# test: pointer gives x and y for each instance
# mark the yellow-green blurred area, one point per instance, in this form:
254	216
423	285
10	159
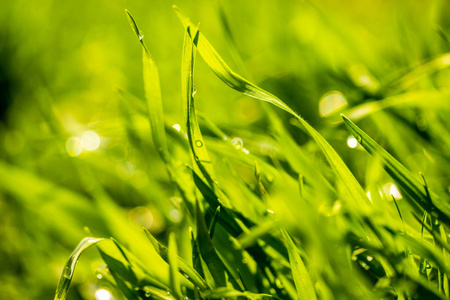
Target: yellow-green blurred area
76	152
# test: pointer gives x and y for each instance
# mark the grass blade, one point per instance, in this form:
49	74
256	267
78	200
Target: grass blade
69	269
405	179
225	293
185	268
208	252
173	267
235	81
303	283
152	93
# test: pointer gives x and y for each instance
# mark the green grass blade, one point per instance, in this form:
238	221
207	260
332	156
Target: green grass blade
196	142
152	93
404	178
214	220
226	293
303	283
69	269
208	252
189	272
173	267
235	81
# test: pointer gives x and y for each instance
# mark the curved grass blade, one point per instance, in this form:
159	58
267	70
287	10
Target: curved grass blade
152	93
303	283
69	269
173	267
235	81
422	201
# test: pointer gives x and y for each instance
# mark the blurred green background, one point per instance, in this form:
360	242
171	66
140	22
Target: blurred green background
70	67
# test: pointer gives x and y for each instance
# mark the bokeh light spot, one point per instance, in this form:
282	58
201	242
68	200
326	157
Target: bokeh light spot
352	142
331	102
90	140
103	294
74	146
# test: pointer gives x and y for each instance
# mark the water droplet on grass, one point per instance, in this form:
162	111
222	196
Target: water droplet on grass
103	294
237	142
352	142
177	127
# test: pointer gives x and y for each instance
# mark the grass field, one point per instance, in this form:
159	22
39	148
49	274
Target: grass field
225	150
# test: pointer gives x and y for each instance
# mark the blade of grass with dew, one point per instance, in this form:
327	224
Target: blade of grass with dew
405	179
119	267
173	267
152	93
303	283
195	137
158	294
189	272
230	78
128	292
69	269
121	275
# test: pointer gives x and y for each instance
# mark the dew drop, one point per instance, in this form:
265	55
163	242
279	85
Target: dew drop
177	127
141	35
369	258
198	143
352	142
237	142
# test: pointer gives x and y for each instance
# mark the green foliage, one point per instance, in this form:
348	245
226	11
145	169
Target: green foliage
246	199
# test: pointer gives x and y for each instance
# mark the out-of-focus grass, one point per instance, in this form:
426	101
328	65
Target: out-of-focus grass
71	80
